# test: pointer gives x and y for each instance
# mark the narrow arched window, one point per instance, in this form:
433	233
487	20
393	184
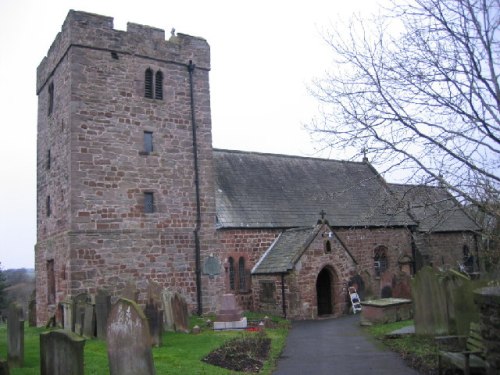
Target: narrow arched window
159	85
241	274
380	260
231	273
148	84
51	98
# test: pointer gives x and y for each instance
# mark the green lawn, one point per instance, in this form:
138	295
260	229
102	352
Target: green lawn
180	354
418	351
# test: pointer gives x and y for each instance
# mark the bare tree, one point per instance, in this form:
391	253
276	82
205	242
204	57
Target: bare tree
417	90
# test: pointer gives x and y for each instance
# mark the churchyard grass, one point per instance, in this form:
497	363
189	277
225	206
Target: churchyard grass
419	351
180	353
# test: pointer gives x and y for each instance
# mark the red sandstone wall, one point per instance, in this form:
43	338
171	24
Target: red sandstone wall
98	232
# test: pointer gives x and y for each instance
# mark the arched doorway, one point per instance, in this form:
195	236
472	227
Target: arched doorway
324	292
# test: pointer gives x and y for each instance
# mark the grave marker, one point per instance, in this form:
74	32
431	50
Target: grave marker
89	321
15	336
61	353
129	341
79	305
102	309
155	320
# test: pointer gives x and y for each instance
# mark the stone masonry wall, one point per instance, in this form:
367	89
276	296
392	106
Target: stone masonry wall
100	173
250	244
446	249
362	243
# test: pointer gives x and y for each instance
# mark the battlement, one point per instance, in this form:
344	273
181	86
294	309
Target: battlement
88	30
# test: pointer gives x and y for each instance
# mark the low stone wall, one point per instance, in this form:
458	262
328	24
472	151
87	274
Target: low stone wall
385	310
488	300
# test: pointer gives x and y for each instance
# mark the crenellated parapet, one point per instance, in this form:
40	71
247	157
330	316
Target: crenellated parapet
87	30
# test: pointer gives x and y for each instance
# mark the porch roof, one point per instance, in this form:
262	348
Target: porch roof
286	250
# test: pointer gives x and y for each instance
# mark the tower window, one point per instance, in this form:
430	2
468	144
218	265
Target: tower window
48	158
51	283
48	207
51	98
149	206
148	142
148	84
159	85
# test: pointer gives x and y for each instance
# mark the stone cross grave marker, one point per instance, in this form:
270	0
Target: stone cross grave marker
15	336
102	309
61	353
129	341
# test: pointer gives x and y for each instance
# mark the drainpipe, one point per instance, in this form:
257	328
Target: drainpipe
191	68
283	294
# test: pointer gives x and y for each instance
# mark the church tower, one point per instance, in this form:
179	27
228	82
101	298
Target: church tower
125	182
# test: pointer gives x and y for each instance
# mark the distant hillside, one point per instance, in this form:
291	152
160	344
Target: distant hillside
19	285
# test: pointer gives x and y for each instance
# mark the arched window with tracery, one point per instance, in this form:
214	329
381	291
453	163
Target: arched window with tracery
380	260
241	274
231	273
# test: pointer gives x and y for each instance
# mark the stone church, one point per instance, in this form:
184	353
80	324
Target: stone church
130	190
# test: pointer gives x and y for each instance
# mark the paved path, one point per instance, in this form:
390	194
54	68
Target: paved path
336	346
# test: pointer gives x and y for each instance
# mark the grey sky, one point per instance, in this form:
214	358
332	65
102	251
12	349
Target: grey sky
264	53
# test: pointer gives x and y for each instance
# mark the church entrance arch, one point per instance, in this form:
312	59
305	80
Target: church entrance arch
325	291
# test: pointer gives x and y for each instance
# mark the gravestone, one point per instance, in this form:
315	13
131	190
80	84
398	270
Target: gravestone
61	353
128	340
68	310
4	367
89	321
229	315
180	313
79	305
15	336
175	312
168	314
102	309
32	313
154	316
130	292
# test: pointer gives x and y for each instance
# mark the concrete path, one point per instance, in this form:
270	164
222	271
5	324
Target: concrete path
336	346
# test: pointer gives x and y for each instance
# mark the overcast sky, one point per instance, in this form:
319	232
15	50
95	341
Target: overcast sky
264	54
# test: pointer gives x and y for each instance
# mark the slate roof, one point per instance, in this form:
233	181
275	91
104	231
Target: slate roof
255	190
286	250
434	208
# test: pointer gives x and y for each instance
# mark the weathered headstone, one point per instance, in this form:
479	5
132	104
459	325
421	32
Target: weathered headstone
154	316
61	353
130	292
168	321
4	367
89	321
79	305
175	312
102	309
32	313
129	341
180	313
229	315
15	336
68	315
